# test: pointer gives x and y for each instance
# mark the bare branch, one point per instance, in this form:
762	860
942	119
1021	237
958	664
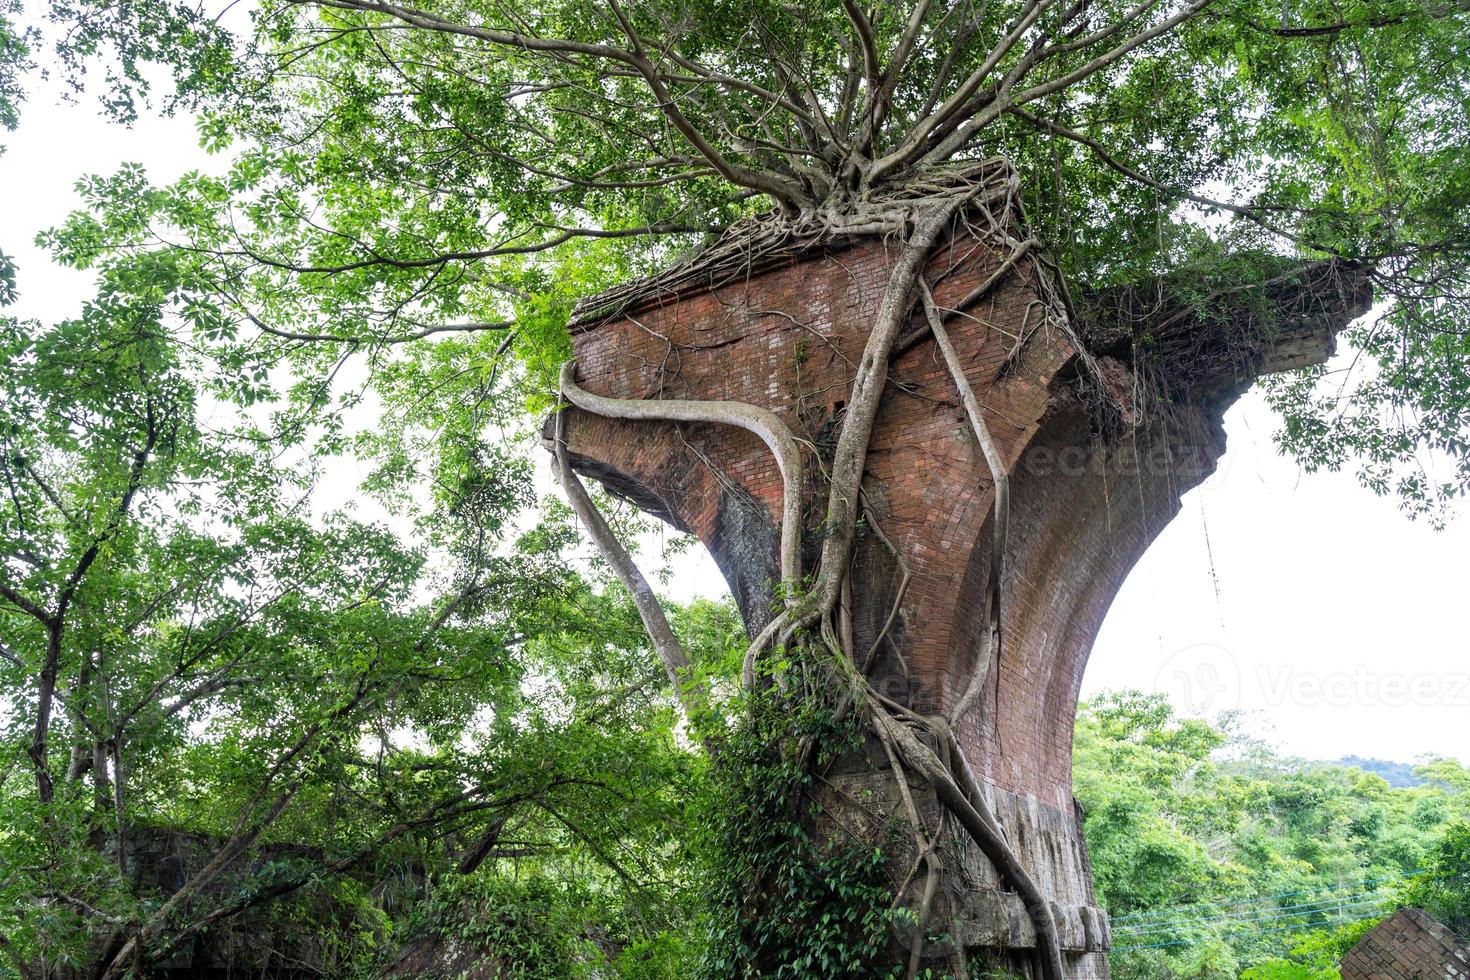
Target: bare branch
1109	57
358	340
1434	12
445	258
919	135
24	604
783	191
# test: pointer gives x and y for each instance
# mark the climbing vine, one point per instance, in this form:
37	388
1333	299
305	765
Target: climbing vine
783	900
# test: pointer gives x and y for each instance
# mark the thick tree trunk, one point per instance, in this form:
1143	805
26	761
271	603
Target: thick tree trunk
1097	444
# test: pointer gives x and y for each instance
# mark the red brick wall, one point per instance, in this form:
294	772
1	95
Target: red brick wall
1408	945
787	339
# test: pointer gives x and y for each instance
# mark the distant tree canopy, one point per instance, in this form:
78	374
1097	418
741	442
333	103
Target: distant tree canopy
1219	858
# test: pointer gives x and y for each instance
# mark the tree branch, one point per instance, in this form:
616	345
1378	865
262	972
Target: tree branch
1250	214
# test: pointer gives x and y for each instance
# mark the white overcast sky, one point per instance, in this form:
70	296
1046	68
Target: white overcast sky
1336	623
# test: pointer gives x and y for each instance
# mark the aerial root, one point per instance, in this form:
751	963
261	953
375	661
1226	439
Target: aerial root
990	643
898	594
693	696
760	421
974	818
777	437
947	773
928	850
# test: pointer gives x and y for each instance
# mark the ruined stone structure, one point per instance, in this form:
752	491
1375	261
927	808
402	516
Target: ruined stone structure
1408	945
1101	430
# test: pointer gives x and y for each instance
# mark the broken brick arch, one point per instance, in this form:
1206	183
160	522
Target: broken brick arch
1099	434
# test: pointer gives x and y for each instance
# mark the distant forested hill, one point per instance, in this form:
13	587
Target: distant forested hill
1399	775
1219	859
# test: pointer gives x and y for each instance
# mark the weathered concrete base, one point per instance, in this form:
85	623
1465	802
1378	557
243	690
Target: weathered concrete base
862	798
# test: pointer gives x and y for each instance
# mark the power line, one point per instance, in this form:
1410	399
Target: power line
1171	911
1311	908
1249	932
1247	913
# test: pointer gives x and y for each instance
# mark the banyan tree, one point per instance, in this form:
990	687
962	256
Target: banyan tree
921	316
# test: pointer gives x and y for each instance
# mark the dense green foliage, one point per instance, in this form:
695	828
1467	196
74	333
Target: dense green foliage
1443	890
216	656
372	722
783	903
1216	856
400	170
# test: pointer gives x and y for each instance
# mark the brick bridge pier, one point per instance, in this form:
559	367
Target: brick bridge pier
1099	443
